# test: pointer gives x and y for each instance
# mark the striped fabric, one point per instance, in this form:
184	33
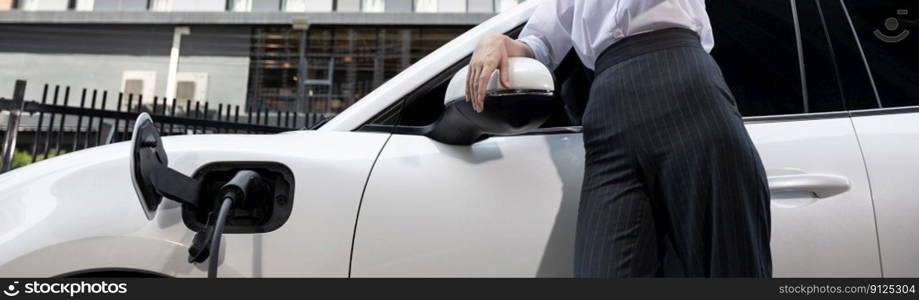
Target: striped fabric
673	185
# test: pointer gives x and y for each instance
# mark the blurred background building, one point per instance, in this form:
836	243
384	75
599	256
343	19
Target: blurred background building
292	55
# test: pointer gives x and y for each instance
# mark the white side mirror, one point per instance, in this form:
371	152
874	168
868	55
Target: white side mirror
524	105
527	75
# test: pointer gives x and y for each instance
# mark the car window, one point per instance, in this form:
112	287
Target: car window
756	46
424	105
758	50
887	33
821	74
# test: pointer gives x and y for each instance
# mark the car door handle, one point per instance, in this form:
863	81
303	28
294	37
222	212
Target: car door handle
821	185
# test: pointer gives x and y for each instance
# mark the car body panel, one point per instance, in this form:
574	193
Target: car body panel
503	207
437	210
891	146
84	203
830	237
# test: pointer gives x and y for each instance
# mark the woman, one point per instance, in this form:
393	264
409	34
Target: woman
673	185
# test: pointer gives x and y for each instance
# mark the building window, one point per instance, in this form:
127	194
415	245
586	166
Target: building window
343	63
197	5
399	5
480	6
373	6
134	86
347	5
121	5
426	6
451	6
43	5
266	5
185	90
504	5
308	5
138	83
191	86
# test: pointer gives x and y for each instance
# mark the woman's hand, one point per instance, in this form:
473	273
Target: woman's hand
490	54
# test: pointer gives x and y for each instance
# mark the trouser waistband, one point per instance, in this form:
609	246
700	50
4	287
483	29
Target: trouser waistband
636	45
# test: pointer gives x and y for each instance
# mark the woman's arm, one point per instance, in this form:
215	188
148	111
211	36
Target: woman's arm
546	37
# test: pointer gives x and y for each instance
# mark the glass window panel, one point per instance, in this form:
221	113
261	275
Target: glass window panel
481	5
134	87
105	5
504	5
373	6
451	6
266	5
344	63
120	5
133	5
50	5
756	48
185	90
887	32
398	5
348	5
824	92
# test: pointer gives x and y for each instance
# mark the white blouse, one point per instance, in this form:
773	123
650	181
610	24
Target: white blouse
590	26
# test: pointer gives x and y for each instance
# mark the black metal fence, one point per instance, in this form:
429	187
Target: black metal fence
36	130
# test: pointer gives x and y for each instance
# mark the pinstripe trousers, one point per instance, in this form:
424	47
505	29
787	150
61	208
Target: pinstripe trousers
673	185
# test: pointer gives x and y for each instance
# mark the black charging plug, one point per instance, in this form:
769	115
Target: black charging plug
245	187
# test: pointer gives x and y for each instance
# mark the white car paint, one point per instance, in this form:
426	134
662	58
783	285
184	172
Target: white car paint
505	206
523	74
891	146
79	211
833	236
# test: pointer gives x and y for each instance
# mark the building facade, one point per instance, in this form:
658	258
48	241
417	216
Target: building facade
252	53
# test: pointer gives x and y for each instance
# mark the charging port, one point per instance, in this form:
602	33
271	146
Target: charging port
255	216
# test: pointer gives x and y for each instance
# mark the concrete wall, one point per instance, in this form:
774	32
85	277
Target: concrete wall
227	77
98	57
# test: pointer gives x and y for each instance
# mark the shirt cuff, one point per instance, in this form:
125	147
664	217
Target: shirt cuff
540	51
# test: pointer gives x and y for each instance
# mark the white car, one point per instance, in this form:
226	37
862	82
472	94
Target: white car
399	186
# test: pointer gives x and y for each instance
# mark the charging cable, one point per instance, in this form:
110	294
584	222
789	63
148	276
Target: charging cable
237	191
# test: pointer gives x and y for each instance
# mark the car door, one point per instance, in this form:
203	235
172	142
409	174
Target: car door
883	35
776	59
506	206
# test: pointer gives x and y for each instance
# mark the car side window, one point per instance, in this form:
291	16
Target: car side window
424	105
886	31
758	48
